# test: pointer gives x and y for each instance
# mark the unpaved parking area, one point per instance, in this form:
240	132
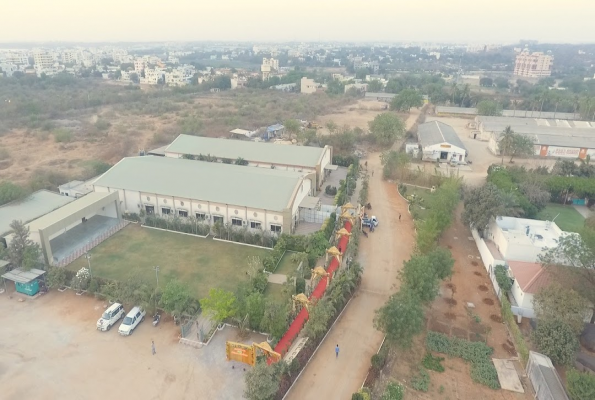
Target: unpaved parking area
49	349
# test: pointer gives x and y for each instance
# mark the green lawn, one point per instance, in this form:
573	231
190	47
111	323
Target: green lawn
419	208
200	263
286	267
569	219
274	292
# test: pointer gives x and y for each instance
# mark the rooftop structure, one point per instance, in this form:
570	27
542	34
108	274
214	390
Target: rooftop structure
30	208
436	132
270	189
470	111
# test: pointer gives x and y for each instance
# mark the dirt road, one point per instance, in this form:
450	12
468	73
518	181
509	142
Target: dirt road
382	255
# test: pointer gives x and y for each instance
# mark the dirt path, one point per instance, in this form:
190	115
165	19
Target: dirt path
382	255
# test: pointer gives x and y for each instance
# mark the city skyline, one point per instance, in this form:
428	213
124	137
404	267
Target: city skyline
456	21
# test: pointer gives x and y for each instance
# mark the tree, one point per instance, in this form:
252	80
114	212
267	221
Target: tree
255	309
176	298
393	391
419	277
274	320
502	278
331	126
292	126
406	99
386	128
240	161
442	262
219	305
501	83
577	253
514	144
535	194
580	385
262	382
375	86
400	318
319	318
11	192
481	205
134	77
486	82
489	107
394	164
555	302
21	252
557	340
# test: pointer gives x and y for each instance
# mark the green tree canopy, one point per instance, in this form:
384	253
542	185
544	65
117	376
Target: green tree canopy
556	302
21	252
375	86
580	385
386	128
482	204
400	318
219	305
515	145
11	192
406	99
274	320
176	298
489	107
262	382
292	127
419	276
557	340
394	164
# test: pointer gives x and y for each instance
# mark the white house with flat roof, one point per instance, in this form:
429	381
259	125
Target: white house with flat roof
256	198
302	159
523	239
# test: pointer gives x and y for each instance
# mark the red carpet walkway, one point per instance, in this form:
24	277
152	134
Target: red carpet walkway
299	321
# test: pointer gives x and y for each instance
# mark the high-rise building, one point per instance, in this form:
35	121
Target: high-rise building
43	60
533	65
268	65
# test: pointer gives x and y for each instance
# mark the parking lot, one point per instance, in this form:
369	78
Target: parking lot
50	349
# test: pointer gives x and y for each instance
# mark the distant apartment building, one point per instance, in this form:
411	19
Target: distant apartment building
308	86
43	60
16	58
152	77
533	65
139	65
69	57
268	65
177	78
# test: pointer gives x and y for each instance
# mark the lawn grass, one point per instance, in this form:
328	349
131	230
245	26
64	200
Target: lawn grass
569	219
200	263
286	267
420	213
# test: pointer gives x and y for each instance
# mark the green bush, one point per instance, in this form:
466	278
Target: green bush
421	381
300	285
502	278
433	363
330	190
393	391
580	385
556	340
477	353
378	360
357	396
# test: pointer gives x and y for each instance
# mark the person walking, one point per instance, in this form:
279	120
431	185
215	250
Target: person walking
153	347
399	217
372	173
337	351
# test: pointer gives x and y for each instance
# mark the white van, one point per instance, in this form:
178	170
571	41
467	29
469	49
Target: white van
110	317
131	321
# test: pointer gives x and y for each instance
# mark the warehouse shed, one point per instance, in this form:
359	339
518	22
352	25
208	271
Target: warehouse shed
440	142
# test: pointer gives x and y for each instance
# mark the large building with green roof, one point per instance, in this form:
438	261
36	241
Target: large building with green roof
243	196
257	154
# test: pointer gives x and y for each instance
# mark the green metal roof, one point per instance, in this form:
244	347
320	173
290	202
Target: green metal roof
303	156
263	188
30	208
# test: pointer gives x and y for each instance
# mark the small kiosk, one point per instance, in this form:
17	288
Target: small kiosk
26	282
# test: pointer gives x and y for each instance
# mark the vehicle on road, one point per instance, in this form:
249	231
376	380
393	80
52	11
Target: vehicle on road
131	321
110	317
370	221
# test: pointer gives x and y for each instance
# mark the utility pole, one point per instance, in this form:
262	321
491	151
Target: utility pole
157	275
88	257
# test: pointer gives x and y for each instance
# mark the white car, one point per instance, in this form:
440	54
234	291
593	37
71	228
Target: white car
131	321
110	317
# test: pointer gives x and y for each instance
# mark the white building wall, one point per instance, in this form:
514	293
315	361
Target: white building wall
304	191
433	152
326	159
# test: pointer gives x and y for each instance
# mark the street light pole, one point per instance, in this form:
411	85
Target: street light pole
157	274
88	257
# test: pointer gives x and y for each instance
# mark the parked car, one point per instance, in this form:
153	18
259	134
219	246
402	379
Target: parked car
131	321
110	317
370	221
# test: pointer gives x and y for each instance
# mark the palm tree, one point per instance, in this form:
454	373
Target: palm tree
465	93
506	141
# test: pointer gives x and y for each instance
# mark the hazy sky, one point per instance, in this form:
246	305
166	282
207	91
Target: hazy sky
492	21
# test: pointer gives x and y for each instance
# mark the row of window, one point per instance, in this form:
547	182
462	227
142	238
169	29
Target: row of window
216	218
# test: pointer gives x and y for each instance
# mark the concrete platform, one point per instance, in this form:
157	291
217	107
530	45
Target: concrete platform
507	375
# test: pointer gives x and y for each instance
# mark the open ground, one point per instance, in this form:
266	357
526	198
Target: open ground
200	263
449	314
50	349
